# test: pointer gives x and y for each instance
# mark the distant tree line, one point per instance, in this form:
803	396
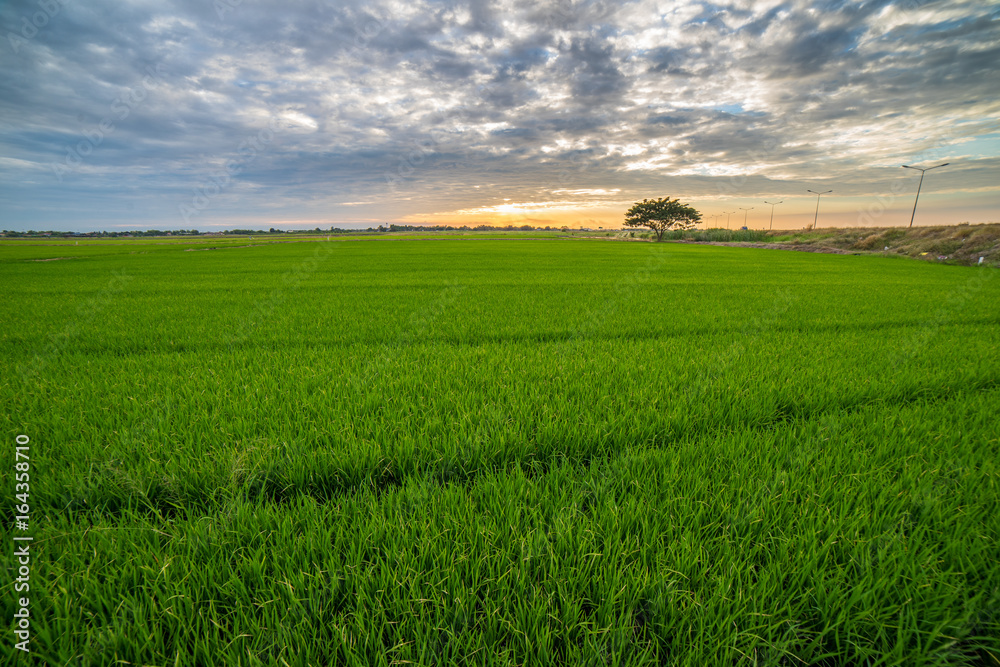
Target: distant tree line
244	232
463	228
143	232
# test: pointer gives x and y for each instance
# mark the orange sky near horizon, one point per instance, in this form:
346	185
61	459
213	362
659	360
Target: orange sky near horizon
793	213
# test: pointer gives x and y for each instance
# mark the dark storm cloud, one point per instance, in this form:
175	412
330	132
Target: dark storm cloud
412	105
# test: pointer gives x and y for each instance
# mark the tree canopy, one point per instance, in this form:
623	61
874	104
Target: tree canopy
662	214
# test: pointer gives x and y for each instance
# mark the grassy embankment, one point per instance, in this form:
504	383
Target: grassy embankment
955	244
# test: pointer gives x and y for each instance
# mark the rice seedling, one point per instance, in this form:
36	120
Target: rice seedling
452	451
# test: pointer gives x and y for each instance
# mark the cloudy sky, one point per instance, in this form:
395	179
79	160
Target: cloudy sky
212	114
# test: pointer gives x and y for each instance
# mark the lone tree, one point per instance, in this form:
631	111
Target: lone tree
662	214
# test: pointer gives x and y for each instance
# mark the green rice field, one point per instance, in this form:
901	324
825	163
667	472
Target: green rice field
499	451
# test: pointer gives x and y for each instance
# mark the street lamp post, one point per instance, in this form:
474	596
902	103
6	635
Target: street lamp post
728	213
818	194
922	171
746	214
773	204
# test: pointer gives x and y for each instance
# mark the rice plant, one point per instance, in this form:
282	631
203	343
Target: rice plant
519	452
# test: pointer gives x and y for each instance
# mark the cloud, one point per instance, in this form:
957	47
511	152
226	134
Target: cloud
411	106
